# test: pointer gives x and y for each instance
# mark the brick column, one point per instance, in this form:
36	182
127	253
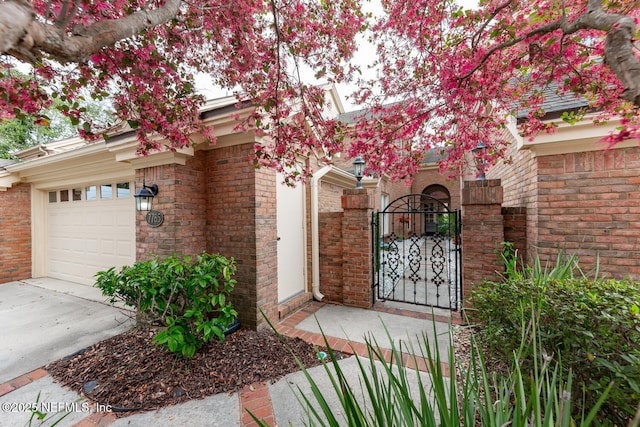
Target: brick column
482	231
182	200
15	238
356	253
242	224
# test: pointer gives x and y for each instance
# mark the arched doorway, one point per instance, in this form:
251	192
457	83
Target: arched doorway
437	199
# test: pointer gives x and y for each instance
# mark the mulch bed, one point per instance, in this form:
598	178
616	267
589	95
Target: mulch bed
131	373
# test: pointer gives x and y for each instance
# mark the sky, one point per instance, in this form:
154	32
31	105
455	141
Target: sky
364	56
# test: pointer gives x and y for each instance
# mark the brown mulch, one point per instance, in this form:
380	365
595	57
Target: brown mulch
462	343
130	372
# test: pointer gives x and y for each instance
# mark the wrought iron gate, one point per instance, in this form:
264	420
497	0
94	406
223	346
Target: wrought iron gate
416	252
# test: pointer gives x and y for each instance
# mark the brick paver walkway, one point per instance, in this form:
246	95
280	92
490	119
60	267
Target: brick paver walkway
256	397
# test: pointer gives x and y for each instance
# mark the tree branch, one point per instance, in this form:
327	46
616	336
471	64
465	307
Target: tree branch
618	48
475	39
22	36
66	17
545	29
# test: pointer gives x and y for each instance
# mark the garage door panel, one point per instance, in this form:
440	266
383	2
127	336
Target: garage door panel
91	246
106	219
107	247
84	237
123	249
123	219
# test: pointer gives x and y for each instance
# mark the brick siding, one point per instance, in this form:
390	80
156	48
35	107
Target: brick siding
427	177
331	256
584	203
219	203
515	229
329	197
482	231
241	223
519	179
588	205
15	239
182	198
356	234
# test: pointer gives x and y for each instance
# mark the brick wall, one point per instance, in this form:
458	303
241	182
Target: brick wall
15	239
427	177
356	255
329	197
519	179
266	228
482	231
182	198
331	255
515	229
241	209
584	203
588	205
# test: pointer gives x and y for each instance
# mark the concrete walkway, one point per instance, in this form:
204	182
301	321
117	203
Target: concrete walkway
24	378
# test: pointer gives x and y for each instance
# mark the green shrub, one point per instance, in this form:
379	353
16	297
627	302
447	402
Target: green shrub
448	224
591	326
189	297
565	267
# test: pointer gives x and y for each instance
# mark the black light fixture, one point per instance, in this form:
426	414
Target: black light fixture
144	197
358	167
477	150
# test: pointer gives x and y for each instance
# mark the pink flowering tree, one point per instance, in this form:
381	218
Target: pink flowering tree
450	77
146	54
447	77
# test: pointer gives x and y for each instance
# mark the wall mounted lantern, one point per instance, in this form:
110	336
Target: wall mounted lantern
144	197
477	151
358	166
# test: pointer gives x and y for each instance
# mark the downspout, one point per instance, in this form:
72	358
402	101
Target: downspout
315	238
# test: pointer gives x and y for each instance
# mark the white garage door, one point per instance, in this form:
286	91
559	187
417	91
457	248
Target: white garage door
89	229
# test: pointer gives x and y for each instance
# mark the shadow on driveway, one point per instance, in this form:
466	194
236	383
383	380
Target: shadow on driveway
41	325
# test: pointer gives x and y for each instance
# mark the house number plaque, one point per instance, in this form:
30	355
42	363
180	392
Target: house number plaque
155	218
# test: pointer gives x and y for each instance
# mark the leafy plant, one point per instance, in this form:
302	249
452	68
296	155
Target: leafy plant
448	225
592	325
565	267
386	397
189	297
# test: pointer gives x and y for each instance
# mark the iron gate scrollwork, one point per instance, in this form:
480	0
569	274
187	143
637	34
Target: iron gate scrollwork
417	253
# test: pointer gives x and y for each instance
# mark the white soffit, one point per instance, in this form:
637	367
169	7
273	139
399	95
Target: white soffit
87	163
580	137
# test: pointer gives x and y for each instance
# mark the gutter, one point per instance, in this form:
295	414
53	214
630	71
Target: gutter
315	240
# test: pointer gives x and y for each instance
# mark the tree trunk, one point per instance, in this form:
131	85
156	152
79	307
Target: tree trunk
26	38
618	50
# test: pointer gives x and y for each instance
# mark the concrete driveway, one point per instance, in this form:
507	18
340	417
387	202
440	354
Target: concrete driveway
43	320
